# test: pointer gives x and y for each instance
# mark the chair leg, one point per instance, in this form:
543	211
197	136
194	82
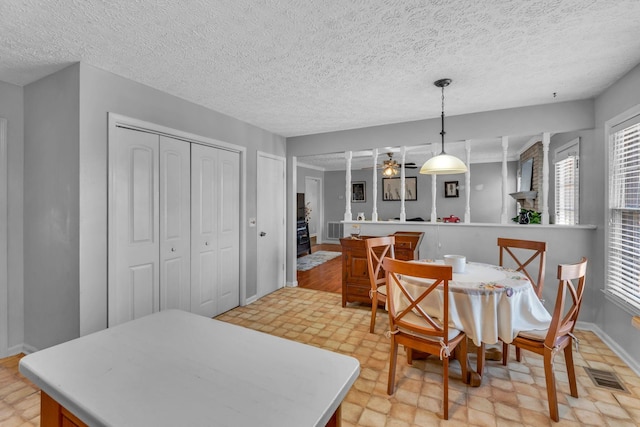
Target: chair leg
518	354
374	308
393	353
445	387
480	359
463	358
505	353
551	385
571	372
409	352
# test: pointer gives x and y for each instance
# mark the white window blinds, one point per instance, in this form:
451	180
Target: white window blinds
567	185
623	258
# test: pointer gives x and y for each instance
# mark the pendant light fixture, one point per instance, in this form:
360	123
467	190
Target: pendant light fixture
443	163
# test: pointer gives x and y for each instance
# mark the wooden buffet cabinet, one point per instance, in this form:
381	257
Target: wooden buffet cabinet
355	275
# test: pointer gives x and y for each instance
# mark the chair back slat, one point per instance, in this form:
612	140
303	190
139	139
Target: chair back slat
571	279
377	249
438	277
526	267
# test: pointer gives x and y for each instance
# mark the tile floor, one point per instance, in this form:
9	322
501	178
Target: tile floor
509	396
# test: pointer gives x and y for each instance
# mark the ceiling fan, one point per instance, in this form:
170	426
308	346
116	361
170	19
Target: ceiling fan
391	167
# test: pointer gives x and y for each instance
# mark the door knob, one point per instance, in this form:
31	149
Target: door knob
173	249
262	234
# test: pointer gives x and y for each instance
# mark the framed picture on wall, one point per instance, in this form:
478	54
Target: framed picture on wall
358	193
451	189
391	189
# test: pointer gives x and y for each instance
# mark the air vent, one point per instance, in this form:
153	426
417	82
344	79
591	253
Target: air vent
335	230
605	379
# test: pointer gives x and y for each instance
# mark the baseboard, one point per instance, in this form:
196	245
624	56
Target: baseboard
619	351
293	284
21	348
251	300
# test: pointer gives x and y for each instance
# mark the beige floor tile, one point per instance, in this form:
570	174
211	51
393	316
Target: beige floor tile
514	395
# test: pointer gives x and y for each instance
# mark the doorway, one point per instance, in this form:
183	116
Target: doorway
313	201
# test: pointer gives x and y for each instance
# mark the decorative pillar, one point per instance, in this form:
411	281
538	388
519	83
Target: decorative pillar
504	216
434	214
467	182
546	139
374	186
348	155
403	213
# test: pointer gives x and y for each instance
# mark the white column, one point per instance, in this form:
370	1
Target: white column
467	182
546	139
434	214
348	155
403	213
374	186
504	216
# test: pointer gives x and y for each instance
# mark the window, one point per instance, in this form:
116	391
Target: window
567	179
623	255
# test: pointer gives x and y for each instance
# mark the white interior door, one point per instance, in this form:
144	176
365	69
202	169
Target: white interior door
313	196
175	224
271	188
134	229
204	230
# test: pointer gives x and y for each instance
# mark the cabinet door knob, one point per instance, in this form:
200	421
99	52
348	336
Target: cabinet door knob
262	234
173	249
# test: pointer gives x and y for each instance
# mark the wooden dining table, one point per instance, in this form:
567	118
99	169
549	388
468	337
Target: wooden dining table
488	302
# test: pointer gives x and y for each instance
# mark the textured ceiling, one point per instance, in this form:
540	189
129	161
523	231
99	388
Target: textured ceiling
297	67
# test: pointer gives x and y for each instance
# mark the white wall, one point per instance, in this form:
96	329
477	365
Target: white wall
102	92
618	98
65	245
12	109
51	287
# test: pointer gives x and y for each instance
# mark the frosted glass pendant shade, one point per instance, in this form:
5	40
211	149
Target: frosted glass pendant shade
443	164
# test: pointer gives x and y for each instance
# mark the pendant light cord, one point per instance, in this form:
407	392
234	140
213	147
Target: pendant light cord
442	132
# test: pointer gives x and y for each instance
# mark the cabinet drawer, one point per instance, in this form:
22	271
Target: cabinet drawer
404	245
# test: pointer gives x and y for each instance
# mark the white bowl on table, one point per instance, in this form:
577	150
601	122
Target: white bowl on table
458	262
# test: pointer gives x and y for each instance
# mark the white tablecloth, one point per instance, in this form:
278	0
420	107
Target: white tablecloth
487	302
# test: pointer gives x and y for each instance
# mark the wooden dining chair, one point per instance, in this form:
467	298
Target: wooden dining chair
560	333
377	249
529	258
412	327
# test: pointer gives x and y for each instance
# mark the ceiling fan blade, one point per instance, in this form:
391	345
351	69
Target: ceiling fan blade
410	167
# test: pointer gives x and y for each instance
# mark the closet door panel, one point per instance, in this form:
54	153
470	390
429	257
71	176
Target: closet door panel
229	231
175	227
134	228
204	237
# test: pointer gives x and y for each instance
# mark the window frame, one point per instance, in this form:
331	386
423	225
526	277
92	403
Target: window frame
622	121
560	154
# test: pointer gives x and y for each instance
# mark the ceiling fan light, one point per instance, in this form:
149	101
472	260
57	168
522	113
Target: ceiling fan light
389	171
443	164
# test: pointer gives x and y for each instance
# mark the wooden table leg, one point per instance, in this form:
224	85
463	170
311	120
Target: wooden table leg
336	419
52	414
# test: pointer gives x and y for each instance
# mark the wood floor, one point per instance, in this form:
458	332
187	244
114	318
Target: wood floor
325	277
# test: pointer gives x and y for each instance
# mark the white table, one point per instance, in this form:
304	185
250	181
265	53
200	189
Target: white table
175	368
487	302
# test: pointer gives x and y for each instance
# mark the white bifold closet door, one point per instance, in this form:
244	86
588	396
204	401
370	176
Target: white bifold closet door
215	225
153	227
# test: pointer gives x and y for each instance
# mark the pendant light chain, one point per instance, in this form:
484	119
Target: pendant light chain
442	132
